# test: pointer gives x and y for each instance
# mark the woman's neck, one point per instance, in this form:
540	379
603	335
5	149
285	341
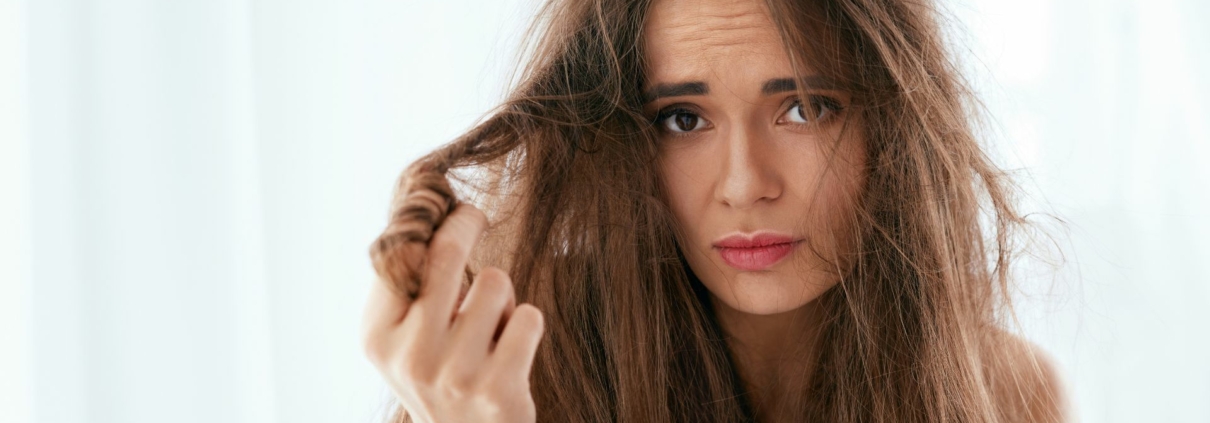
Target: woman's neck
774	354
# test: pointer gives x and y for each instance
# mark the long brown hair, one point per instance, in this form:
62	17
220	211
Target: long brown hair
566	170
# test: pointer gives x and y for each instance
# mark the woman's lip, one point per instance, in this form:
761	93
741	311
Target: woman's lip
756	258
759	239
755	251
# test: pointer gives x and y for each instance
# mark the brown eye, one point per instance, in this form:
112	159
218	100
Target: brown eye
819	109
686	122
681	121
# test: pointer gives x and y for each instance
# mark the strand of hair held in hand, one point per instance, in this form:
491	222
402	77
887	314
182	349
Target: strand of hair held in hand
421	203
422	200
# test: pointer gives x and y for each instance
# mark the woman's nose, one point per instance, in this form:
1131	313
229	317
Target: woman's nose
750	174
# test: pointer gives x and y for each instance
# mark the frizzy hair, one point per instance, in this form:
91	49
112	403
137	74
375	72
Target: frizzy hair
565	169
423	198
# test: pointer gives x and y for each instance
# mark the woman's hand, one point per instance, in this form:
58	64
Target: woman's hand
450	363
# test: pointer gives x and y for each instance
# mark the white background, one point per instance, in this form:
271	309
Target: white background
188	190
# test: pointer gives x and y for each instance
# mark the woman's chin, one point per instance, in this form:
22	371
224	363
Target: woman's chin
765	293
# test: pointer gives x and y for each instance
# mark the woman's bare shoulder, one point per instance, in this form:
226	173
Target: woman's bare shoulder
1025	381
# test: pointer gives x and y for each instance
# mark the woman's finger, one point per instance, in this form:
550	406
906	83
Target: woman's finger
508	312
448	252
508	309
381	316
515	351
480	315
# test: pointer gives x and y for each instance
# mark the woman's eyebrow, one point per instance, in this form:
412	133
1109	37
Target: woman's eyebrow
780	85
675	90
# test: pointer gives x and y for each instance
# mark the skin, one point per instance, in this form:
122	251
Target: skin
453	359
738	159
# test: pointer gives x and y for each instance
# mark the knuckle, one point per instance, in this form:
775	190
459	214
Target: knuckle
477	214
457	234
493	282
467	219
492	272
529	317
460	385
473	215
445	246
374	348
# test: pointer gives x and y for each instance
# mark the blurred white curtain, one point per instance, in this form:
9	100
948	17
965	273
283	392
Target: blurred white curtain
188	189
192	188
1102	108
150	278
15	295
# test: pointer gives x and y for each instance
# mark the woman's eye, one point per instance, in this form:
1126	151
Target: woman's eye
819	109
681	121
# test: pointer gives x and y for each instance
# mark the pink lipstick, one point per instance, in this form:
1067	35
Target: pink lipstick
757	251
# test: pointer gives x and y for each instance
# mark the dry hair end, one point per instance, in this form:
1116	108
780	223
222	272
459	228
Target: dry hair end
421	203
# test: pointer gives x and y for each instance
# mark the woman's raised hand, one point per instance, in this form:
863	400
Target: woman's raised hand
450	362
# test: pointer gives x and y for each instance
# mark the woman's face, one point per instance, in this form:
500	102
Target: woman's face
761	182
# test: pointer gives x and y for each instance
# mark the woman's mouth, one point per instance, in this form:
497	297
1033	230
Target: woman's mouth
755	252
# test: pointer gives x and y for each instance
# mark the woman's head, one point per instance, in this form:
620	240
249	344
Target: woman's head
840	123
745	160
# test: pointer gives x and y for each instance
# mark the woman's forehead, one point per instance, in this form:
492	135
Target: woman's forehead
700	40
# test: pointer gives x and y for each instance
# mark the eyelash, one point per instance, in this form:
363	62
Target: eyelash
831	104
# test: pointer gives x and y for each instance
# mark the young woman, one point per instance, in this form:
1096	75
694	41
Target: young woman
712	211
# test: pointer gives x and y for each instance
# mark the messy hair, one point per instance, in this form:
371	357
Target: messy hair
566	170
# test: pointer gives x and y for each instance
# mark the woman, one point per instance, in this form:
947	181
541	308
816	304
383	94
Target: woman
712	211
